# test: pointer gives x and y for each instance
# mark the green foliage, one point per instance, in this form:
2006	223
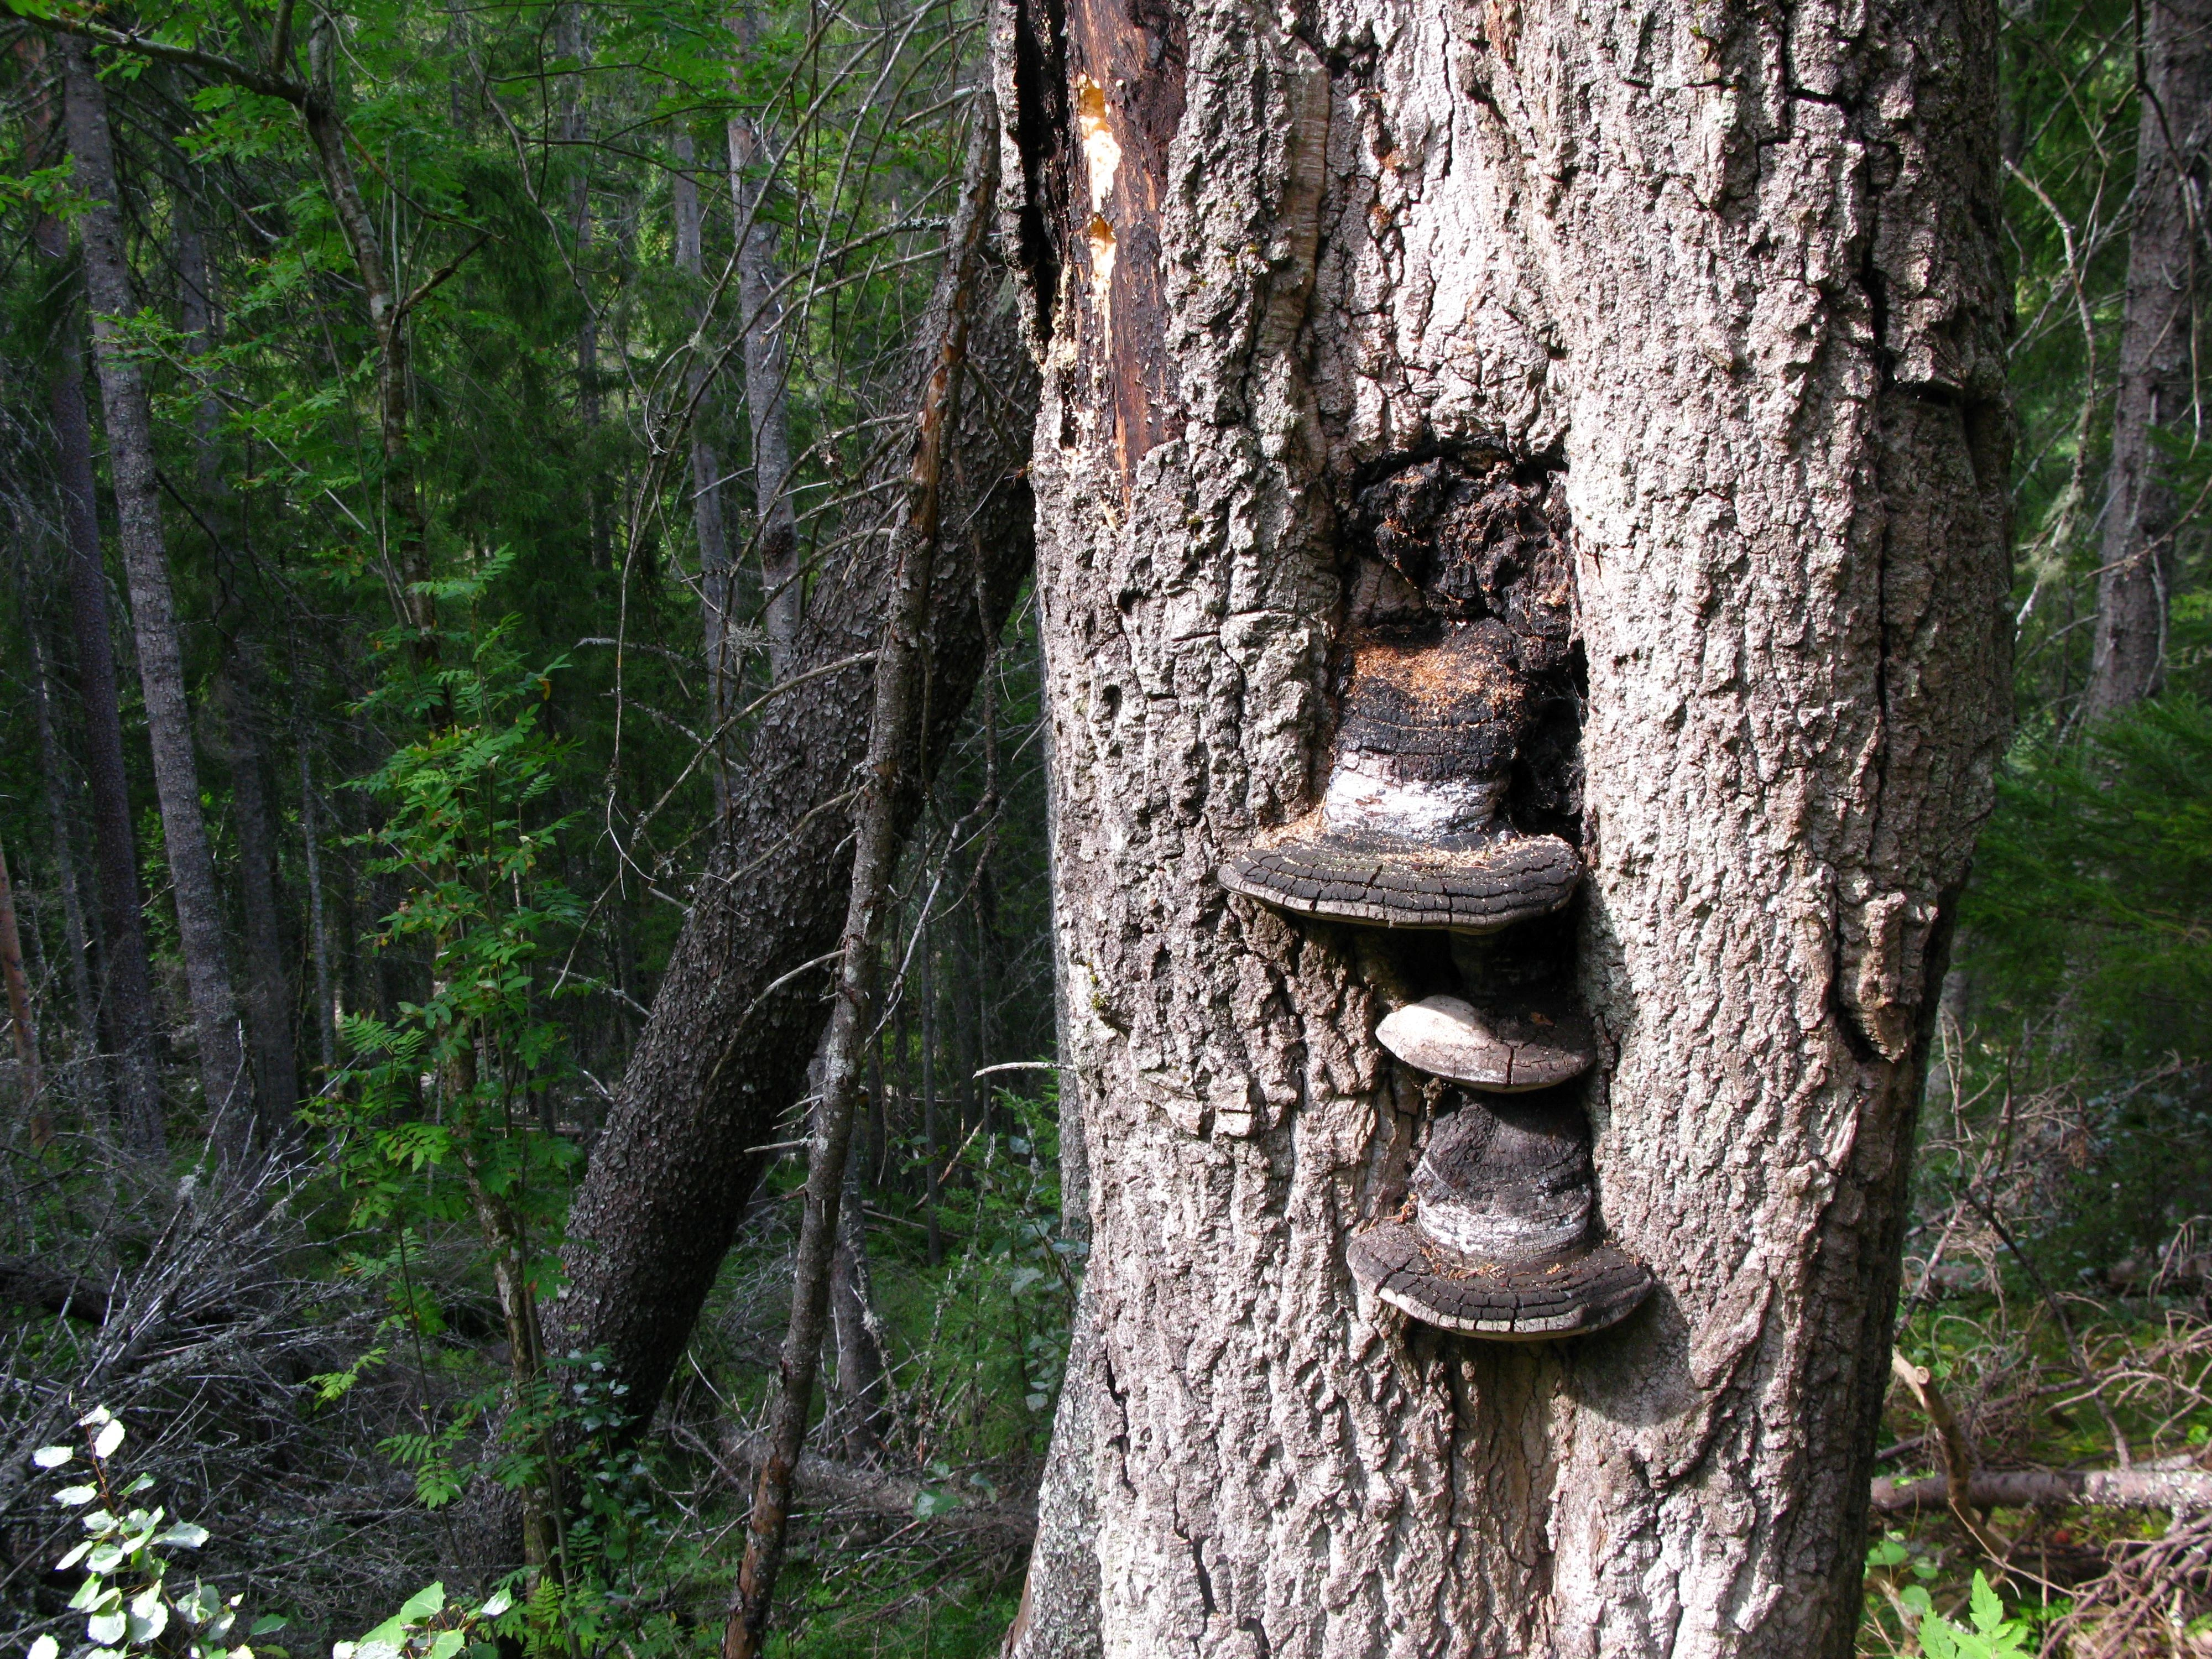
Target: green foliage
1993	1635
2095	883
461	833
427	1627
129	1604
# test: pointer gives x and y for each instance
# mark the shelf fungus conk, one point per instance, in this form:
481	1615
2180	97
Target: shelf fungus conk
1409	833
1529	1044
1459	690
1502	1240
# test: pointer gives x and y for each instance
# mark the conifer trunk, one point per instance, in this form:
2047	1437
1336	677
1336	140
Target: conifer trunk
1731	276
225	1088
2159	368
760	308
127	979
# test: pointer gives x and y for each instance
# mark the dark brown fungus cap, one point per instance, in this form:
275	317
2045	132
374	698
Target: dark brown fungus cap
1474	888
1408	834
1504	1241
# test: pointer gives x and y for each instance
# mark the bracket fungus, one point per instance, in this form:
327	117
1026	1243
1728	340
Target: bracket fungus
1500	1237
1410	832
1462	638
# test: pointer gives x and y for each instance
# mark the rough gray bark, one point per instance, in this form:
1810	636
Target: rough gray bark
2157	388
223	1083
126	980
739	1011
760	311
1734	273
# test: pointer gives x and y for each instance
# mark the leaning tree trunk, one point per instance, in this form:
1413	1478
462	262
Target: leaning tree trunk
154	611
741	1004
2159	369
1728	279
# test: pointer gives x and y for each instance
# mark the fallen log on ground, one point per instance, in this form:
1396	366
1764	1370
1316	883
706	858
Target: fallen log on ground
826	1483
2104	1489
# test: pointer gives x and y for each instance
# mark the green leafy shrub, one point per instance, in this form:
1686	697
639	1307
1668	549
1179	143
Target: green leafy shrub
1993	1637
130	1606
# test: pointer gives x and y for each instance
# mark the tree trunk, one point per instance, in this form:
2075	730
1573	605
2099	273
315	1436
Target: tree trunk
2157	389
271	1028
932	1142
127	979
573	45
54	776
706	480
760	310
318	930
860	1380
153	612
1728	282
739	1011
24	1034
196	322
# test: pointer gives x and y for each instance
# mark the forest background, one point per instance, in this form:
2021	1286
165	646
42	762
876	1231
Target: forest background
512	383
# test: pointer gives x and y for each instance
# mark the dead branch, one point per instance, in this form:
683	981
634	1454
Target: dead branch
2137	1488
1957	1480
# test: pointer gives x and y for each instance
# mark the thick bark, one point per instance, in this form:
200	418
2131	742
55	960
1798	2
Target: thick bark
2157	390
1734	278
739	1010
126	980
223	1084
